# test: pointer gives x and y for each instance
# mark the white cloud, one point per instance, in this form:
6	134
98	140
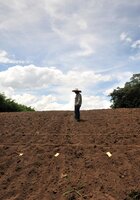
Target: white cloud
5	59
88	44
136	44
95	102
82	24
40	103
19	14
136	57
68	30
124	37
30	76
121	78
24	84
133	44
50	102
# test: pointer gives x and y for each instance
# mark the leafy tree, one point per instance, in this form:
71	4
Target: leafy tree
129	96
9	105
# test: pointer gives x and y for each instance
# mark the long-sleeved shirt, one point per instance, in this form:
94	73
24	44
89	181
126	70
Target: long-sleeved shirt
78	99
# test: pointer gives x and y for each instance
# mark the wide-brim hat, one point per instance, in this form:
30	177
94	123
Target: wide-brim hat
76	90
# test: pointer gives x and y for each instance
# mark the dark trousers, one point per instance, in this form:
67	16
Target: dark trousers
77	112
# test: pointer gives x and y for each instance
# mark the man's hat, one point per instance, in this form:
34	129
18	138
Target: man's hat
76	90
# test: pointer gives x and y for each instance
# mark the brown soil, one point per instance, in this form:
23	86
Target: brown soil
31	169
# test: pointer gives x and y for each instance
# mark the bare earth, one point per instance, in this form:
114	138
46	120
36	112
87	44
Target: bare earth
50	156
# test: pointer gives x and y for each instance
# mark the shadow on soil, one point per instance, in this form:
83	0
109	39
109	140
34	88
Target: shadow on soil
134	195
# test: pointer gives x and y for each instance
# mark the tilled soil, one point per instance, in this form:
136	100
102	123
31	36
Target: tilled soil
50	156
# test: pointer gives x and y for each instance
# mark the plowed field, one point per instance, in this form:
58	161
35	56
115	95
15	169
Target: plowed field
50	156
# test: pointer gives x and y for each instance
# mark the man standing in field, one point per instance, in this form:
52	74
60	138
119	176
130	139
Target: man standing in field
78	103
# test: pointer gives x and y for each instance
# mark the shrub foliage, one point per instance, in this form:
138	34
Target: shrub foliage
128	96
9	105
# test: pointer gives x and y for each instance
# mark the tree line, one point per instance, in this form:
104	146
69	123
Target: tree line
9	105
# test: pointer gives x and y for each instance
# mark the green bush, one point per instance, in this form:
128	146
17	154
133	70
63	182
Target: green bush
9	105
129	96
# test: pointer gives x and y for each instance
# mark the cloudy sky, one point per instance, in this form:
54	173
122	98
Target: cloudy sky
49	47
